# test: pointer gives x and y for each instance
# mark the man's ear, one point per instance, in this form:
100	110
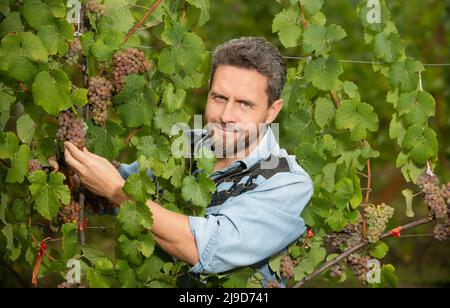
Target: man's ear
274	109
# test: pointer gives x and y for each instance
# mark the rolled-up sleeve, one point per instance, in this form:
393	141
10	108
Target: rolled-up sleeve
126	170
253	226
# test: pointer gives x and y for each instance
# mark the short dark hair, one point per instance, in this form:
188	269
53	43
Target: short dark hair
253	53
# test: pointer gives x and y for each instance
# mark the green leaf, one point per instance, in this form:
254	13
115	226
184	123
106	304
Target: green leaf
336	220
104	266
198	192
387	276
150	268
422	143
146	244
287	25
52	91
13	59
139	186
155	149
36	13
79	97
324	111
173	101
388	46
408	194
11	23
48	192
12	243
312	6
416	107
379	250
6	100
25	128
238	279
119	17
174	172
19	165
134	216
34	47
203	5
9	145
310	158
105	141
318	38
358	117
97	280
323	73
125	275
166	121
136	102
397	129
343	192
69	240
405	74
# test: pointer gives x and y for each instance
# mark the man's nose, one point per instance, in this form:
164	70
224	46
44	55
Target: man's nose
228	113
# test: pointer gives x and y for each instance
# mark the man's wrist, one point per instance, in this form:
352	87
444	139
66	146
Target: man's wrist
118	196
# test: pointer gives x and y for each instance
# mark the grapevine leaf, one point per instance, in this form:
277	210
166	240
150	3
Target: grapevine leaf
19	165
358	117
323	73
146	244
12	243
34	47
48	192
310	158
324	111
11	23
405	74
6	100
199	192
36	13
422	143
69	240
408	194
379	250
157	150
134	216
312	6
139	186
388	46
238	279
104	141
318	38
79	97
25	128
287	25
203	5
97	280
52	91
416	107
125	275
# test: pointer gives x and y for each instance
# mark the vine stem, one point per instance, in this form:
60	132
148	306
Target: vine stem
140	22
358	247
366	198
131	134
302	13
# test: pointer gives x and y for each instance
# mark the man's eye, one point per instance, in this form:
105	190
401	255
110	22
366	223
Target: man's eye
245	105
220	99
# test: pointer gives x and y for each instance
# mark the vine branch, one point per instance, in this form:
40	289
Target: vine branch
358	247
140	22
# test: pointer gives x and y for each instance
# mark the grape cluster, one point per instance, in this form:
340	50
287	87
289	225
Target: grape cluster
442	230
273	284
74	52
126	62
350	236
70	213
358	264
71	129
377	217
34	165
99	94
434	195
96	9
287	266
336	270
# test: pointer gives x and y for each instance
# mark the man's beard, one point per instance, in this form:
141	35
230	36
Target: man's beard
235	142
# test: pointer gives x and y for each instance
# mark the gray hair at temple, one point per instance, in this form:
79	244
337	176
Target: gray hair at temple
253	53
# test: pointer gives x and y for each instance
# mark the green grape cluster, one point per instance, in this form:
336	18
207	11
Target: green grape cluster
71	129
74	52
377	216
126	62
435	195
34	165
99	94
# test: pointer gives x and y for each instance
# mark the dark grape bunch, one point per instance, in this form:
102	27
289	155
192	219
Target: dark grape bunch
434	195
358	264
34	165
74	52
442	230
126	62
96	9
377	216
70	213
287	266
99	93
71	129
348	237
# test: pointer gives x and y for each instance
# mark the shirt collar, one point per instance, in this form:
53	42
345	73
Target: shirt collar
266	146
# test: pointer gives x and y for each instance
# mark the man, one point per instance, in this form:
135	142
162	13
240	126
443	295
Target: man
256	209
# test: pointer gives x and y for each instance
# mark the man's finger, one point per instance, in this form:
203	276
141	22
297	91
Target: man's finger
72	162
76	153
91	155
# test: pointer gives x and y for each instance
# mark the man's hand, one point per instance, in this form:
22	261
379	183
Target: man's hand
96	173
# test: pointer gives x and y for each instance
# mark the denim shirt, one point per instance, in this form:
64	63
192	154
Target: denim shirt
249	228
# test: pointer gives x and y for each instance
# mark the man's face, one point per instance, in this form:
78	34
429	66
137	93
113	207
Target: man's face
237	108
